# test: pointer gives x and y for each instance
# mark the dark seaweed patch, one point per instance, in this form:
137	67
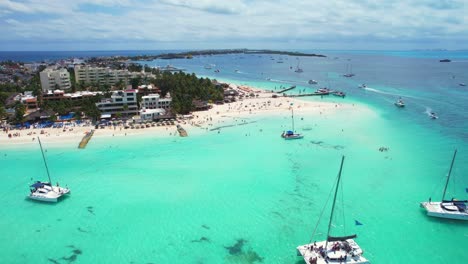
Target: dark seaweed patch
202	239
237	254
237	247
90	209
82	230
53	261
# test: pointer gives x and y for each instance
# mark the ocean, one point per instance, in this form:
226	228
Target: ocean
244	195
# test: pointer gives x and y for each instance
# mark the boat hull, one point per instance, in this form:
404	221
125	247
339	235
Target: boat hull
50	194
311	253
435	209
297	136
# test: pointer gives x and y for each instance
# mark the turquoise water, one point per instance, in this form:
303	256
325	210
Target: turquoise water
245	195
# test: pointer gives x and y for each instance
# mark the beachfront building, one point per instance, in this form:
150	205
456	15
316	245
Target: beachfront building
151	114
154	101
28	100
123	102
52	78
60	95
91	74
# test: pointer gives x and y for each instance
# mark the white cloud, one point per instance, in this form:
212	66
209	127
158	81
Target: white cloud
228	22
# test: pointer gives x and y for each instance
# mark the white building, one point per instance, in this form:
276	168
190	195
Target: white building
90	74
116	104
51	78
151	114
153	101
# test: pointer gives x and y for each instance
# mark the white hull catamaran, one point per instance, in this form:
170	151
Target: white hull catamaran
290	134
334	249
45	191
451	209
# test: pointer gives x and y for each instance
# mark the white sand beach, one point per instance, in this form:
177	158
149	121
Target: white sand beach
262	104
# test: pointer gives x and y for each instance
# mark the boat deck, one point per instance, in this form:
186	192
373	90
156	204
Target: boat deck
435	209
311	253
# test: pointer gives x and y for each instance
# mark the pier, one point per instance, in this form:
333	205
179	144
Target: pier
287	89
85	139
307	94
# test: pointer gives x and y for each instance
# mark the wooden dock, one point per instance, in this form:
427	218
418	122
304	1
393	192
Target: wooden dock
287	89
85	139
307	94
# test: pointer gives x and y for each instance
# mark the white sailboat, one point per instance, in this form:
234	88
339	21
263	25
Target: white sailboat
453	208
298	69
45	191
290	134
334	249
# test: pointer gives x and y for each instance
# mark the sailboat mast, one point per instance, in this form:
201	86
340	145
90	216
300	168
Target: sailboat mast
450	172
292	118
45	162
334	201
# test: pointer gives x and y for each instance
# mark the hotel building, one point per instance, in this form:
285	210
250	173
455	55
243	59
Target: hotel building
116	104
51	79
90	74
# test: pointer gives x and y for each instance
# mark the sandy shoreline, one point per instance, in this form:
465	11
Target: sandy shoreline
263	104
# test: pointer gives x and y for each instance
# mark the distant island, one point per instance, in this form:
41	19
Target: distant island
191	54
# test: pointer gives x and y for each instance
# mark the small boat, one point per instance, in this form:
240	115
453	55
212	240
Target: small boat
298	69
312	82
462	84
323	91
350	73
290	133
342	249
339	94
280	61
445	60
433	115
400	103
45	191
451	209
362	86
216	71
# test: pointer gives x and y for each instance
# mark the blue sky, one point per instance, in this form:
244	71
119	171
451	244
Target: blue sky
202	24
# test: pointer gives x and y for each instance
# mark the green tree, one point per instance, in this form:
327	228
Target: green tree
20	110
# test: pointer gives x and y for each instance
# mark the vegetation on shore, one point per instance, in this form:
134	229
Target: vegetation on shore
191	54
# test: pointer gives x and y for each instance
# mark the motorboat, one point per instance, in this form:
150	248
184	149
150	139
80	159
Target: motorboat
339	94
312	82
445	60
462	84
323	91
433	115
400	103
362	86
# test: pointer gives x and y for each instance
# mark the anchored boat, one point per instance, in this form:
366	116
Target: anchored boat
45	191
451	209
334	249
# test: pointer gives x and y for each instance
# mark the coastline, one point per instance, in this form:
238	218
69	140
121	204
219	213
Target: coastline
219	115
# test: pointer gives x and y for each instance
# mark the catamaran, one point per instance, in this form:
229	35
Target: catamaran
45	191
453	208
334	249
290	133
